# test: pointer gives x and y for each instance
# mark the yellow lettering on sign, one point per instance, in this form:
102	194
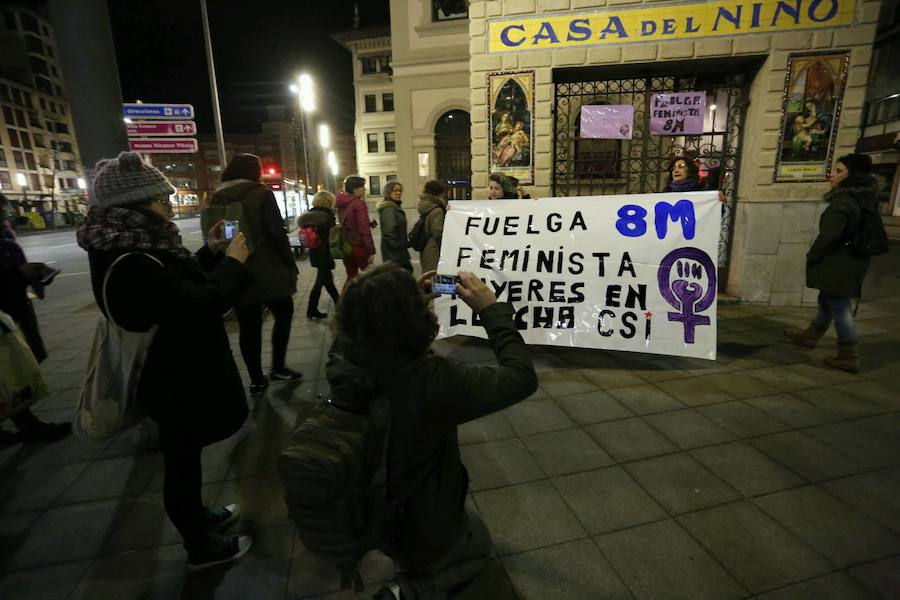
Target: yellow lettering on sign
680	21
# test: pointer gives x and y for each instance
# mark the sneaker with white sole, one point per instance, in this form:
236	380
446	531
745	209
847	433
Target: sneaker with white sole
218	550
285	374
221	518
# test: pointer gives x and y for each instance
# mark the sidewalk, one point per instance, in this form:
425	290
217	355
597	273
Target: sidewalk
626	476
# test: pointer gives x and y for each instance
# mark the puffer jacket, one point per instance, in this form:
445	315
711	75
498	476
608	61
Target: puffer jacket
429	397
831	265
323	220
354	217
434	225
393	232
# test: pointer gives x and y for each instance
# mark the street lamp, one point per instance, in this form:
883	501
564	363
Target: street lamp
304	90
332	163
23	183
324	136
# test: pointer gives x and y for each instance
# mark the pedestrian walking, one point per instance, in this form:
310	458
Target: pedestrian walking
320	216
143	277
384	332
432	208
273	267
393	226
8	218
16	276
833	266
354	218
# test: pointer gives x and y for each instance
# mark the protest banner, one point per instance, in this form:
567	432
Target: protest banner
631	272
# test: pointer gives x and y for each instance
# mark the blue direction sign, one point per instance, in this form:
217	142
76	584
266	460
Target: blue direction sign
158	111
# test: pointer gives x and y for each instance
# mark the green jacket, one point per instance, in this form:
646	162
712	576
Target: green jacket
434	225
272	262
830	263
393	232
429	397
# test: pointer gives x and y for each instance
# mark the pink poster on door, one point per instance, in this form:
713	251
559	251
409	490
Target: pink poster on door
678	113
607	121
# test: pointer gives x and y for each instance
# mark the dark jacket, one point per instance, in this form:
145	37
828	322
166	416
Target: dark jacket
354	217
393	232
830	263
14	299
271	261
695	186
323	220
429	397
190	383
434	225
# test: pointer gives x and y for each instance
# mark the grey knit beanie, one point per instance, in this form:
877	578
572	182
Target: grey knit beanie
127	179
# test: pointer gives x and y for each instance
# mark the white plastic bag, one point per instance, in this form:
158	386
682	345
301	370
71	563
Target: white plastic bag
108	403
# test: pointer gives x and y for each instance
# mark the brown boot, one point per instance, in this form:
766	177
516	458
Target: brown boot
847	358
808	337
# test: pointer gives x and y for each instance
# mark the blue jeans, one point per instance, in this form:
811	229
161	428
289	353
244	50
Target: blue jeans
837	308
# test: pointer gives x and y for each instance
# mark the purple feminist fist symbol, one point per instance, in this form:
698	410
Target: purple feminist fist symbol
686	293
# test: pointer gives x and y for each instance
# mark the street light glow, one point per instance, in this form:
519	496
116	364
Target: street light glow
127	121
324	136
332	162
294	88
307	99
21	179
82	184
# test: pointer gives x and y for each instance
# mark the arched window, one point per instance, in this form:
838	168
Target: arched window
453	153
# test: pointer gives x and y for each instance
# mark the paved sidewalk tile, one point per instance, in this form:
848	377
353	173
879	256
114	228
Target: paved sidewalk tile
756	550
881	394
805	455
681	569
568	451
574	571
746	469
528	516
742	419
789	409
881	577
876	495
490	428
690	392
496	464
832	528
608	378
46	583
681	484
261	499
608	500
565	382
630	439
593	407
834	586
688	428
112	478
539	416
870	449
739	385
153	574
887	425
838	401
30	489
645	399
782	378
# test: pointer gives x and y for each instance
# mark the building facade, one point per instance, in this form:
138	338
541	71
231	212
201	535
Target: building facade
38	150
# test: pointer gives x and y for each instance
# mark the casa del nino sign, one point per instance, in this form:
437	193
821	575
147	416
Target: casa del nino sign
679	20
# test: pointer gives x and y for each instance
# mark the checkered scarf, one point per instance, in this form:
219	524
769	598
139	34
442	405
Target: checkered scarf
117	228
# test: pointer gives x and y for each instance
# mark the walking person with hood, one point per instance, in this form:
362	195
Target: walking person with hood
320	216
143	277
272	264
833	266
354	217
393	226
432	208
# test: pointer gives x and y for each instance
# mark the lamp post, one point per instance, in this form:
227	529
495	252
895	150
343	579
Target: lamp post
332	162
325	143
304	90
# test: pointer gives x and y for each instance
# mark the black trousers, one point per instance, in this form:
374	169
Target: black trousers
324	278
182	497
250	318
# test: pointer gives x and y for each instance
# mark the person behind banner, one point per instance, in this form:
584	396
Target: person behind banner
502	187
685	177
384	334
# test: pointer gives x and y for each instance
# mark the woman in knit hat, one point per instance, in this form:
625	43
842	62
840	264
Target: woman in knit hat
143	277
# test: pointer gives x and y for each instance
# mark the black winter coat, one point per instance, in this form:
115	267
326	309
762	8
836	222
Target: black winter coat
831	265
323	220
190	384
429	397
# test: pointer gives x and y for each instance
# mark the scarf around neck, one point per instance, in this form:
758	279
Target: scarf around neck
118	228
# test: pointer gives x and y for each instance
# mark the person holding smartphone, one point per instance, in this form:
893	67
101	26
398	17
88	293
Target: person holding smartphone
384	334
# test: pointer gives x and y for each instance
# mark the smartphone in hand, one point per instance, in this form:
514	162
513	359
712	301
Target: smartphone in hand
231	229
444	284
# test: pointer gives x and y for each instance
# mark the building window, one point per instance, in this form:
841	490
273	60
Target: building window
373	142
17	97
5	180
19	160
448	10
390	178
26	140
370	103
29	160
62	128
375	64
34	44
390	141
33	120
13	138
43	85
20	119
10	20
4	93
375	185
8	115
3	162
35	182
387	102
29	23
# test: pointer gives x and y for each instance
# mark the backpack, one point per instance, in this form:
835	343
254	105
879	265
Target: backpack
418	236
340	247
232	211
870	239
309	237
335	479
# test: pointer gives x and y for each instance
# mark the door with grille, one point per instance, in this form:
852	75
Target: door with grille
453	150
587	167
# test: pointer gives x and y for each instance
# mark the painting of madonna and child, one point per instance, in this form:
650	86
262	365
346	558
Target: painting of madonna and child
814	88
511	101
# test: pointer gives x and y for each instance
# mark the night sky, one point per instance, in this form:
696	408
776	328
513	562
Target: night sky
258	54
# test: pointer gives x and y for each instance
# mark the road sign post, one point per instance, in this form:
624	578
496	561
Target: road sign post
134	110
163	146
164	128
